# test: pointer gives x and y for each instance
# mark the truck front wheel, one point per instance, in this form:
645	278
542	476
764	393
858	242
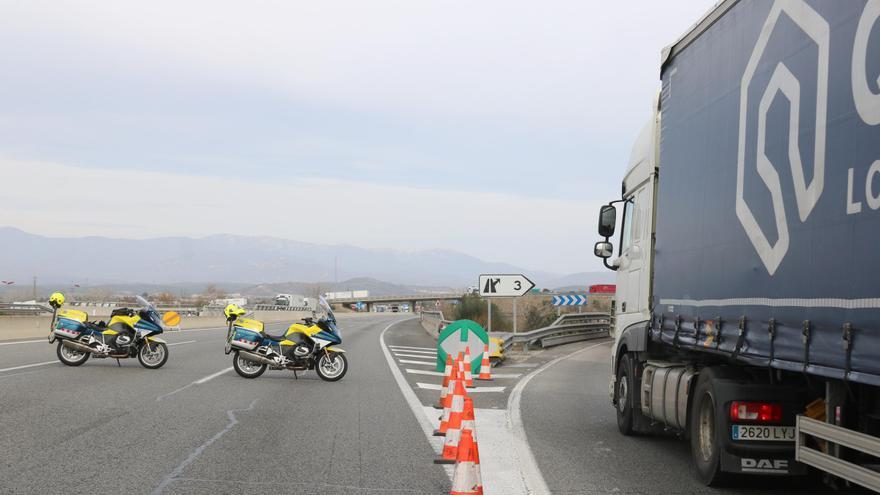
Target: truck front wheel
705	430
624	393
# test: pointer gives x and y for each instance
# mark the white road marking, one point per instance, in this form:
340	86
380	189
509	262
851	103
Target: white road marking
437	386
531	475
410	347
424	372
197	382
181	343
410	396
26	342
414	351
211	377
520	365
170	477
27	366
425	363
505	375
420	356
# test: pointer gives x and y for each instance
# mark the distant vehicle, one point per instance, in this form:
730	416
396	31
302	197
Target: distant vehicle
238	301
748	314
603	289
292	300
473	289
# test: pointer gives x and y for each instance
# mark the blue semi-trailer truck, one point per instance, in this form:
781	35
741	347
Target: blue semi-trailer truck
746	242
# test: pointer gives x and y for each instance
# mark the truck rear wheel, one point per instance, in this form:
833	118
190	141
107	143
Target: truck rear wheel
705	432
625	394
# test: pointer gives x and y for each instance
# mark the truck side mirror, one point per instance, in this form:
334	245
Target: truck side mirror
603	250
607	221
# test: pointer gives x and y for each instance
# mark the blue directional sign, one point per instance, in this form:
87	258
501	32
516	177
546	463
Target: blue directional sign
570	300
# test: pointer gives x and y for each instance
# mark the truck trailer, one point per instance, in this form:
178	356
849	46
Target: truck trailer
748	245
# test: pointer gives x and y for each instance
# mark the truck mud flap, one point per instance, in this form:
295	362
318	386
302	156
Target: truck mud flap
772	466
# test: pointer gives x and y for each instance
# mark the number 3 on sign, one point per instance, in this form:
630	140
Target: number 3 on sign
517	285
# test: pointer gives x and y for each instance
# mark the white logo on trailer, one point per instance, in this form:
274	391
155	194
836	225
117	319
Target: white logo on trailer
783	81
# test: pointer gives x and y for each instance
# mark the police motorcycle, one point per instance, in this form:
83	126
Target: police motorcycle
302	346
130	332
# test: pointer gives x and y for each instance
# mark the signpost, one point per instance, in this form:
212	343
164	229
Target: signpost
507	285
456	337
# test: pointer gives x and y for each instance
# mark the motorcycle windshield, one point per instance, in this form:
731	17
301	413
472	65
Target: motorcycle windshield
330	318
150	310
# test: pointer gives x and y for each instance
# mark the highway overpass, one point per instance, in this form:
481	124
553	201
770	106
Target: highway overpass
411	299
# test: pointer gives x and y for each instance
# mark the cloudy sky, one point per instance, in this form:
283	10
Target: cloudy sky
494	127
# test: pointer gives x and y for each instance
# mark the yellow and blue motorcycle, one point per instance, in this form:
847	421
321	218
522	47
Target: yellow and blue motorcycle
129	333
302	346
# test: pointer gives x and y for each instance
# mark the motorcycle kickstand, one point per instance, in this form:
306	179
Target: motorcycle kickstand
295	376
118	363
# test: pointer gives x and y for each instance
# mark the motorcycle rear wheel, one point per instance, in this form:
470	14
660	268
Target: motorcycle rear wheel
247	368
70	356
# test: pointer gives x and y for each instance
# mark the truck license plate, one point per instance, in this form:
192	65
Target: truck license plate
763	433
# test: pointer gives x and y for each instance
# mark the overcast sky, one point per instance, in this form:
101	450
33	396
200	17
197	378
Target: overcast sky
493	127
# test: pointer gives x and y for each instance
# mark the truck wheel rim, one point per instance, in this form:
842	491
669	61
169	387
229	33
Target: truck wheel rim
622	394
707	428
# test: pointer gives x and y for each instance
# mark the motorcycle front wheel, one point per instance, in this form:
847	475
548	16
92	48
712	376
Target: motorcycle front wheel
153	355
71	356
247	368
331	366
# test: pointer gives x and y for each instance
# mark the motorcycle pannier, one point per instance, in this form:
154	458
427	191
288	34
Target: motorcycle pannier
70	323
246	339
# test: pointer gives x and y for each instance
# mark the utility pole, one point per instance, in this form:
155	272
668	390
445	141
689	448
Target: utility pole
35	287
336	269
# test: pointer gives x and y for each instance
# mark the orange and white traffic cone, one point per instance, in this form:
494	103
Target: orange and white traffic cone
447	375
466	476
485	365
455	383
453	426
469	423
468	376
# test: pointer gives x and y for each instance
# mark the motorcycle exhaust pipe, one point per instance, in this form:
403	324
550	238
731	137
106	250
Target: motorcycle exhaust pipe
78	346
258	359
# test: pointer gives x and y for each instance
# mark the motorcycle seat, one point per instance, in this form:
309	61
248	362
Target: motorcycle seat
277	337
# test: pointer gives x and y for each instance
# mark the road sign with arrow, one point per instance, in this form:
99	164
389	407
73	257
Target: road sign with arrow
570	300
456	337
504	285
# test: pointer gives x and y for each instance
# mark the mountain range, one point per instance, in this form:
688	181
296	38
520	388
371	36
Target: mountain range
243	260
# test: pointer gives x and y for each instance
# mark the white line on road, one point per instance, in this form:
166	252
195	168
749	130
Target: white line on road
437	386
27	366
197	382
181	343
532	476
506	375
414	351
425	363
411	347
424	372
25	342
211	377
420	356
408	394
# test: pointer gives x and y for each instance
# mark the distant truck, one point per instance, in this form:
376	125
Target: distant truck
748	270
603	289
291	300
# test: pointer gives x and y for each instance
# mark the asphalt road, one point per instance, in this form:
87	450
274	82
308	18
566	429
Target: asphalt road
572	430
194	426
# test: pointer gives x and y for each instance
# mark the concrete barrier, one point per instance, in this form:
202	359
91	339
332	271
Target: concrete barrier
34	327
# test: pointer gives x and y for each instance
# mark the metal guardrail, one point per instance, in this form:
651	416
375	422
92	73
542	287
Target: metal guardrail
23	309
272	307
573	327
806	453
